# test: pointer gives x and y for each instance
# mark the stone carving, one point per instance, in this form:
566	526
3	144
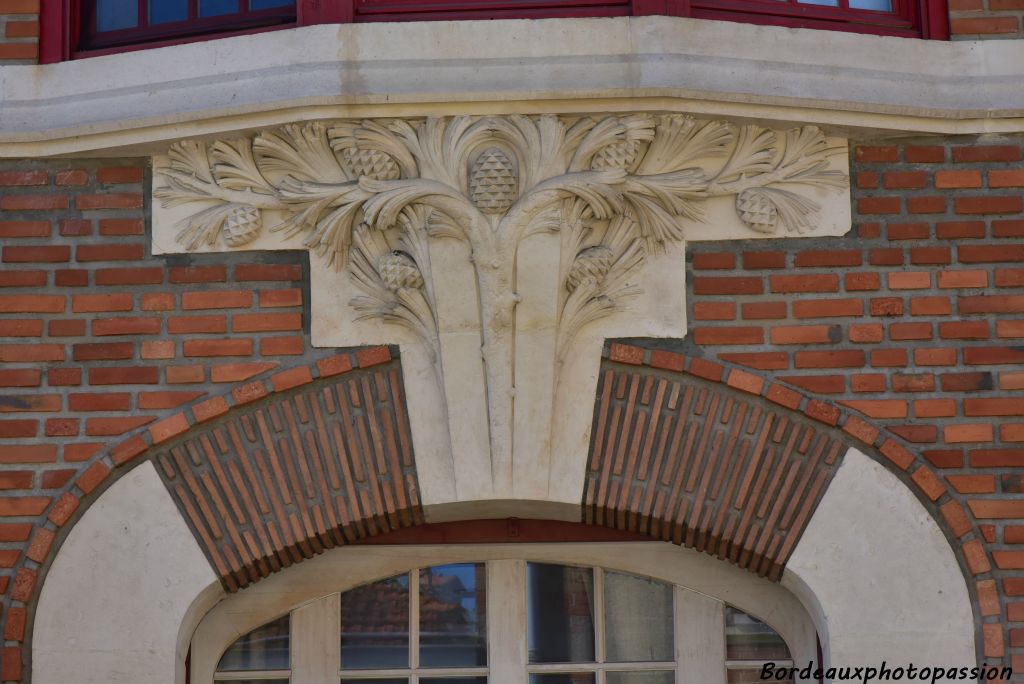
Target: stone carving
372	196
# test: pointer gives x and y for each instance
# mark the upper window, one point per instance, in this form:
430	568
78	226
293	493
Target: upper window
79	28
578	625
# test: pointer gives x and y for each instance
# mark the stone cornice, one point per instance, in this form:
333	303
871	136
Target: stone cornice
133	101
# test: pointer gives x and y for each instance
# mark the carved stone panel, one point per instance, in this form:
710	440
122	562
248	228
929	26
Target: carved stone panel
500	253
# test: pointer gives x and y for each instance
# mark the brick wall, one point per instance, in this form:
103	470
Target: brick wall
916	322
977	19
98	338
19	31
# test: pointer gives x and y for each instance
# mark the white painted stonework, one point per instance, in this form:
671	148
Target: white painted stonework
499	253
122	585
879	576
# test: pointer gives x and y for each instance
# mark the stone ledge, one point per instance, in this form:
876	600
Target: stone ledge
134	101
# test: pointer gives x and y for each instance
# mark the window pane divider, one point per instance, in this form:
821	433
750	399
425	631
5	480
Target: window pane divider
600	667
252	674
414	619
409	672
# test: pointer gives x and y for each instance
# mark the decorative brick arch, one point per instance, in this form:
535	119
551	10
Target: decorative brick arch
807	431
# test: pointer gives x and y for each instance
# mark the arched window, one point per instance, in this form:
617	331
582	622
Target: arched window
535	622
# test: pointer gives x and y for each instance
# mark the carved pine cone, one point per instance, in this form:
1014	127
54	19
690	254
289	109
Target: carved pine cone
618	155
371	163
757	210
242	225
492	182
591	265
399	271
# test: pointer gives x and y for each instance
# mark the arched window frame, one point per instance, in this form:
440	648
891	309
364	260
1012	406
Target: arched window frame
61	26
311	592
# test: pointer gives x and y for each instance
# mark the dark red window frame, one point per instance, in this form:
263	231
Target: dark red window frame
62	36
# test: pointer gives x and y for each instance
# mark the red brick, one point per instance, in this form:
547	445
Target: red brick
934	408
113	200
74	177
66	328
342	363
764	310
955	230
962	279
728	335
26	453
75	227
823	412
935	357
830	359
282	346
897	453
61	377
42	540
1006	178
956	518
100	427
818	384
759	360
727	285
867	333
37	254
928	483
1008	560
861	429
1007	229
973	484
157	349
10	278
714	261
965	382
829	257
1011	381
268	272
949	178
210	409
103	351
1011	432
24	229
266	322
931	255
368	357
987	153
869	154
908	231
991	304
968	433
224	347
714	311
124	375
910	331
1010	277
288	379
888	358
924	154
859	282
185	374
926	205
825	282
27	353
169	428
71	277
236	372
764	260
65	507
249	393
197	324
128	449
886	306
994	407
165	400
996	510
33	202
803	334
919	382
119	174
20	327
1010	329
23	178
76	453
97	401
909	280
226	299
280	298
905	179
101	302
988	204
964	330
199	274
930	306
783	396
157	301
878	408
746	382
991	253
888	256
107	252
23	505
102	327
20	377
868	230
122	227
92	477
129	276
867	180
828	308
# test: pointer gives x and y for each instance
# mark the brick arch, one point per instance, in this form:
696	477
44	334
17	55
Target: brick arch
237	551
640	385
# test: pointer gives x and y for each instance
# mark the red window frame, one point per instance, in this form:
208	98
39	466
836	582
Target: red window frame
62	35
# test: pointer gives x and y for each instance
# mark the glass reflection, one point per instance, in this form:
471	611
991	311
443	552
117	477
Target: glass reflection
561	613
214	8
747	638
375	625
453	616
112	15
638	620
563	678
655	677
268	4
165	11
264	648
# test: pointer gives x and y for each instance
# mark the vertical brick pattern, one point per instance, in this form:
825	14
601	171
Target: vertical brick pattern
19	31
675	457
303	473
974	19
916	322
100	340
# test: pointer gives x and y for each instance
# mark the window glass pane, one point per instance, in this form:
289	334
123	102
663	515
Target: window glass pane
164	11
453	680
375	625
883	5
827	3
214	8
264	648
747	638
389	680
453	616
658	677
752	676
268	4
638	620
580	678
561	609
255	681
112	15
